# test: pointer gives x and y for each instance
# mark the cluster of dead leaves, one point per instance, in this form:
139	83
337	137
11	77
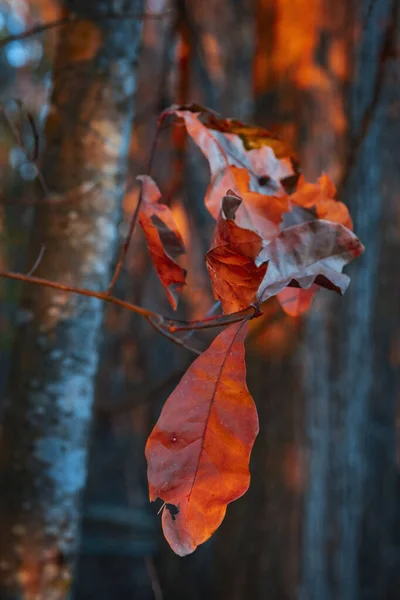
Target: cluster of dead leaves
275	235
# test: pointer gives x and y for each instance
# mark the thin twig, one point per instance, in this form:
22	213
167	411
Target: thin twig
166	323
178	341
72	18
19	140
174	325
135	215
81	291
372	109
37	261
17	131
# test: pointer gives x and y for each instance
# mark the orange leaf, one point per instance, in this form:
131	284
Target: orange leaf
312	252
224	149
295	302
235	278
163	239
259	167
198	452
320	197
253	136
309	202
264	213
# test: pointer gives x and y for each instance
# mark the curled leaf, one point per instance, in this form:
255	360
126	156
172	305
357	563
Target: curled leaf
227	144
235	278
312	252
164	241
309	202
198	453
261	169
259	212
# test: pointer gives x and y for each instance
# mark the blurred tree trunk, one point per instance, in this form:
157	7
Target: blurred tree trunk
350	547
44	436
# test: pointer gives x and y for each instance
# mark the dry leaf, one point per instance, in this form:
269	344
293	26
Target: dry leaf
163	239
198	453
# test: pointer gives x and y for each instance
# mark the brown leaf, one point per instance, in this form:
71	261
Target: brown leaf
163	239
225	148
320	198
198	453
312	252
259	212
235	278
311	201
259	167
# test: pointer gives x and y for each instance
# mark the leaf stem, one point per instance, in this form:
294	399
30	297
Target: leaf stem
173	325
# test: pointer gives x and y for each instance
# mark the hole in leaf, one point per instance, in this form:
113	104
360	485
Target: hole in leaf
173	510
264	180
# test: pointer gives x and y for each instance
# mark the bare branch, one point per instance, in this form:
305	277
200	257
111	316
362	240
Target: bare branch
167	324
81	291
173	325
178	341
17	133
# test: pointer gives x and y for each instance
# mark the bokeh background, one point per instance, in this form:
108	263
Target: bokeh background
321	520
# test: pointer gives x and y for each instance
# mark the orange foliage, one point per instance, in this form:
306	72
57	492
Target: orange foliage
199	451
282	236
163	239
235	278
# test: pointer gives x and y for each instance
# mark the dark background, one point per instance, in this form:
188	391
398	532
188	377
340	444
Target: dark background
321	518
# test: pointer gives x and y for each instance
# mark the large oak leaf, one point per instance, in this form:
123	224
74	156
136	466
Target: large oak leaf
164	241
198	453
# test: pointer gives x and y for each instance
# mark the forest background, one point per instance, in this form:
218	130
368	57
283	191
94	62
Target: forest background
321	518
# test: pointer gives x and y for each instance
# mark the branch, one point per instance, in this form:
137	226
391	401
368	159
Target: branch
173	325
166	324
72	18
387	51
17	133
178	341
82	292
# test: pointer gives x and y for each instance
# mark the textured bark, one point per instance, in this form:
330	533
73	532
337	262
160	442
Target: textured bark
349	535
44	436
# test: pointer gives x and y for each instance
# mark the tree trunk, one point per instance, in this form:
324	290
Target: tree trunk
44	436
353	493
